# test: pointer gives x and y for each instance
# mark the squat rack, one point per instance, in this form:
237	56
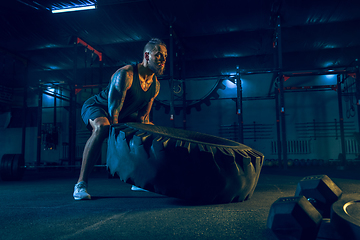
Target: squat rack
73	89
279	76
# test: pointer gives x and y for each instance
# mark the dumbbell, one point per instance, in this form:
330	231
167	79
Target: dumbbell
320	191
294	218
300	217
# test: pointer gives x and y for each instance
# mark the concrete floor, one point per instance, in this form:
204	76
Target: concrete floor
41	207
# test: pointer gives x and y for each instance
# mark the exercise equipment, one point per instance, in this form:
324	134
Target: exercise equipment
10	167
294	218
321	192
184	164
345	216
300	217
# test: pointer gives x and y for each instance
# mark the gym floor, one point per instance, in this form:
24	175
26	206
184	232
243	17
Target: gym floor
40	206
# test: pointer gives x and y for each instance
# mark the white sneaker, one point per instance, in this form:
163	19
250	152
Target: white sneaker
135	188
80	191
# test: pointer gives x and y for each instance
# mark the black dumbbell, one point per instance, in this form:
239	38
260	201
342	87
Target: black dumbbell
320	191
299	217
294	218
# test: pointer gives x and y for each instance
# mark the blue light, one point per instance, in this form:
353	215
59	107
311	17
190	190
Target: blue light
230	84
328	64
72	9
330	76
50	89
232	55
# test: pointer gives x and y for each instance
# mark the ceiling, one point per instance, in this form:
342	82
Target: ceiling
211	38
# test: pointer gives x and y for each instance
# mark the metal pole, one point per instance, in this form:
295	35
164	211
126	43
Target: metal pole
278	128
55	108
283	123
25	107
239	106
72	112
39	125
357	79
171	57
72	125
282	98
184	91
341	116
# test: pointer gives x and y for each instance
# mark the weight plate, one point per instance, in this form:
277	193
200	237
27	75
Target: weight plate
5	167
18	167
346	217
11	167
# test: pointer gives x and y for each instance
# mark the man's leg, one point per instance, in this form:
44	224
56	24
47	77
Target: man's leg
90	155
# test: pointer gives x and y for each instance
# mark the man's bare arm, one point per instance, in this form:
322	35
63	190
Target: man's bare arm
120	82
144	113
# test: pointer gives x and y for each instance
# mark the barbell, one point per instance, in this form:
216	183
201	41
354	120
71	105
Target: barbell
13	166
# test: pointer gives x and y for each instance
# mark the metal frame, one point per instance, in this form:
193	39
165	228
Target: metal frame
280	104
341	119
239	105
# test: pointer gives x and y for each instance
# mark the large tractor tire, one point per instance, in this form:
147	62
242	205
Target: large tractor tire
184	164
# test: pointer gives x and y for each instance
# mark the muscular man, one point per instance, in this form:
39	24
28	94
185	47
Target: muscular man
128	98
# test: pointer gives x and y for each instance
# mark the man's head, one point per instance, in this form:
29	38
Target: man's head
155	54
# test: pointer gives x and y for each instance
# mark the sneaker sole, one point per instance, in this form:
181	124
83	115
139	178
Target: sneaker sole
84	198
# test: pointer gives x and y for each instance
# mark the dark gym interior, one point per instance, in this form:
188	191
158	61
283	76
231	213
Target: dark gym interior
279	76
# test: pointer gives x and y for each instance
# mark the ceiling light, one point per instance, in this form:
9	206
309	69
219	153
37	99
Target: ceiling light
72	9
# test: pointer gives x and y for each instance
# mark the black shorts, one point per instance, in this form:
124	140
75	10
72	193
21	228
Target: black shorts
92	110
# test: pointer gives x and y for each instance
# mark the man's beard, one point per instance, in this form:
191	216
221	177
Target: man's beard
158	70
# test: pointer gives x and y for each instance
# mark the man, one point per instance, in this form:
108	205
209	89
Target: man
128	98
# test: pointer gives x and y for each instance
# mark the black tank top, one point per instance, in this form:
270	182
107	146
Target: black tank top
136	98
